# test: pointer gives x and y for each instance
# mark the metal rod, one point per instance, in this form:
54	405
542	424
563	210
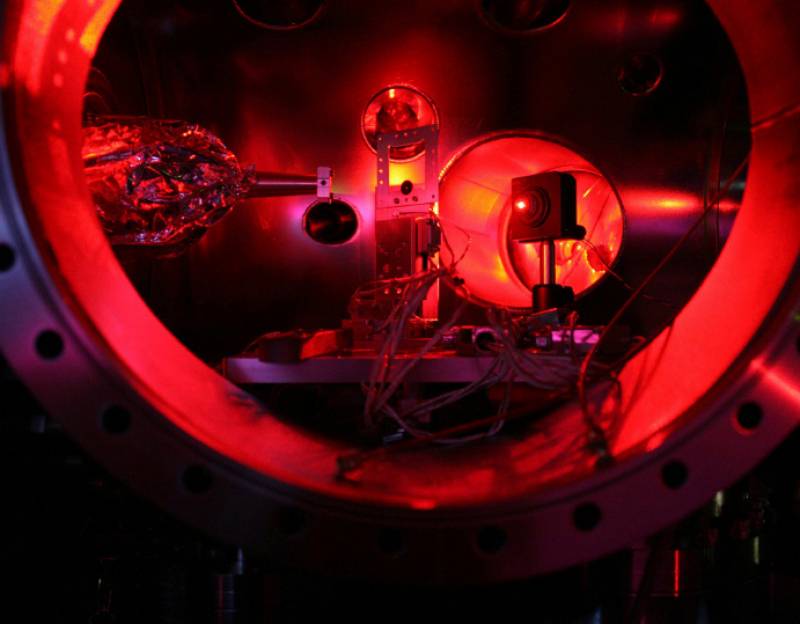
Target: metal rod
281	185
547	262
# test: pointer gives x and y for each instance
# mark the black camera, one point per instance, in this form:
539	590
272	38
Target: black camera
544	207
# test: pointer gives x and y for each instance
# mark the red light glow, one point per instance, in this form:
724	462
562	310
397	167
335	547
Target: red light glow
90	37
658	200
476	207
394	109
778	381
221	417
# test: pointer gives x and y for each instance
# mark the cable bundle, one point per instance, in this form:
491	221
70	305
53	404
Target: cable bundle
511	363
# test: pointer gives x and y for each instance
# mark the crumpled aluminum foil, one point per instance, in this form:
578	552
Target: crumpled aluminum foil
159	183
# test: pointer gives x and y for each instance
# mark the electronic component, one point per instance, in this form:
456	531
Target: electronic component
544	208
406	235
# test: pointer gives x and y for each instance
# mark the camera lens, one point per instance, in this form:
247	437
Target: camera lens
536	207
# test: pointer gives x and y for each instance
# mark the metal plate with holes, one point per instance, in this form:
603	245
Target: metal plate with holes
407	197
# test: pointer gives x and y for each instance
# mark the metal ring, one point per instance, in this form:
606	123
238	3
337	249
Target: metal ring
243	480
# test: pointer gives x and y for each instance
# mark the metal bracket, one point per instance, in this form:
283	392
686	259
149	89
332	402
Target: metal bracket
324	182
394	201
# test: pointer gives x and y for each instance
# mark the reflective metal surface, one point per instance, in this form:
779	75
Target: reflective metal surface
291	100
80	338
476	210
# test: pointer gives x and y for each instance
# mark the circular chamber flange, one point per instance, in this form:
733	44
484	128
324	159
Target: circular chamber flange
706	401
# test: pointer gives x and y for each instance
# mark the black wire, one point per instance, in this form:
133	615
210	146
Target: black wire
595	430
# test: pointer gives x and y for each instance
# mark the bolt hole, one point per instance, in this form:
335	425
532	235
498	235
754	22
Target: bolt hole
280	15
49	344
640	74
523	16
492	539
392	542
291	520
749	416
7	258
674	474
330	222
116	419
586	517
197	479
